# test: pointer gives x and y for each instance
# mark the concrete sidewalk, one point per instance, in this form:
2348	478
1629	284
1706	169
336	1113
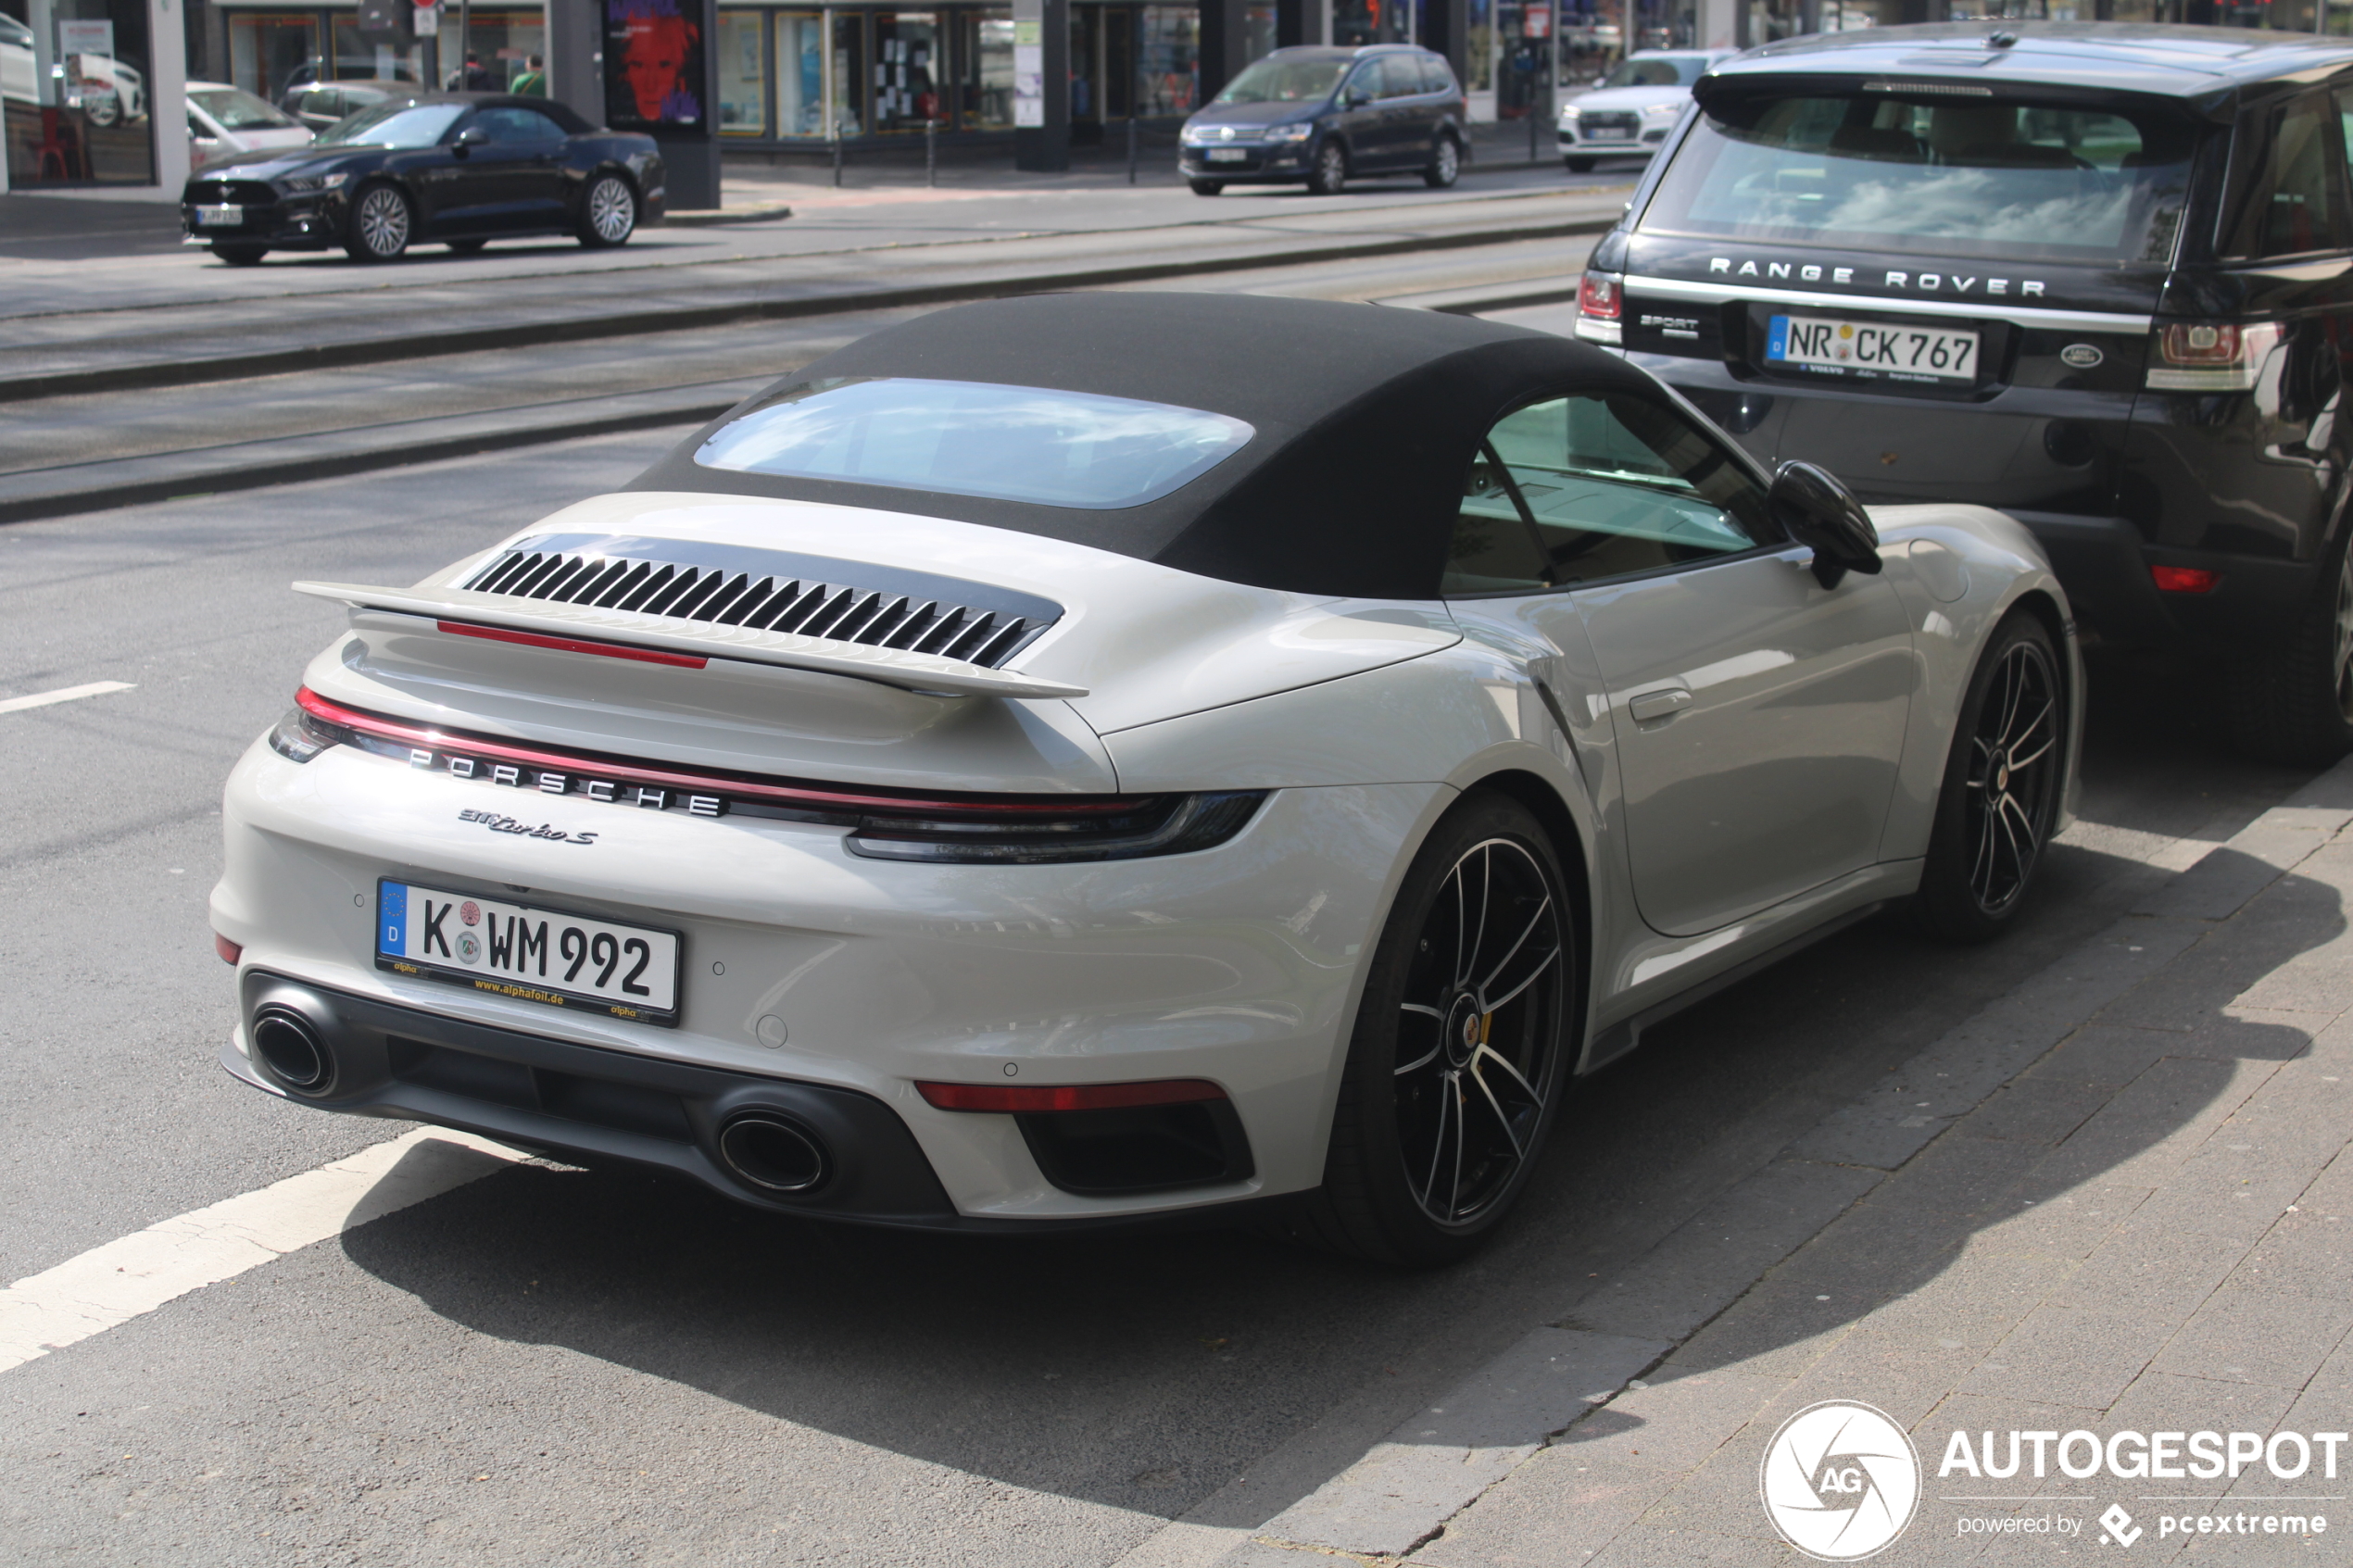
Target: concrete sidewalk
2117	1201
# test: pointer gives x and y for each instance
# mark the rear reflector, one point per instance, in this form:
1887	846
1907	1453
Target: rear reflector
1597	295
2184	579
230	951
1007	1097
571	644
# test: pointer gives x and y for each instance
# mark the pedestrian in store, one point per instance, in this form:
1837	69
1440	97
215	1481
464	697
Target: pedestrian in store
533	83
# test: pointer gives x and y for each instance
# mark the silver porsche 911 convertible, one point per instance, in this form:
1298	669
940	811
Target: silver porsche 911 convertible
1100	759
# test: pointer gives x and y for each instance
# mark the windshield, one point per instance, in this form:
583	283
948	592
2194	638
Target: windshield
976	438
1942	176
232	108
395	122
1275	80
1657	70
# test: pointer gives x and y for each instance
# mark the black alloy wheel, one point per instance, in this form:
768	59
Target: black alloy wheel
2001	790
1445	163
465	248
240	255
1579	165
1460	1050
382	224
2292	702
607	212
1329	176
1206	187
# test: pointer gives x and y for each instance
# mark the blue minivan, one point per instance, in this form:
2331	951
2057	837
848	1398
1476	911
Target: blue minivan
1320	116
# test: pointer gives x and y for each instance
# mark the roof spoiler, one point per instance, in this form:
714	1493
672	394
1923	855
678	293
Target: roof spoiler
622	630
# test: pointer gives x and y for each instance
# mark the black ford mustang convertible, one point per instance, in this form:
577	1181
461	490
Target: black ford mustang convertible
457	169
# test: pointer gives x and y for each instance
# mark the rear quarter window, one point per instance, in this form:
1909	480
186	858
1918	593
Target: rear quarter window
2295	201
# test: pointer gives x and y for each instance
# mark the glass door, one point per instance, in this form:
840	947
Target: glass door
984	84
743	75
800	74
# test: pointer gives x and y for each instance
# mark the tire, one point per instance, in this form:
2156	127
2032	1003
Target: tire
2292	702
607	212
110	115
1457	1066
1445	164
1329	176
466	248
1580	165
1206	187
1994	811
382	224
240	255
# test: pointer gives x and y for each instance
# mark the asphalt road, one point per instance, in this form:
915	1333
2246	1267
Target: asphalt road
552	1365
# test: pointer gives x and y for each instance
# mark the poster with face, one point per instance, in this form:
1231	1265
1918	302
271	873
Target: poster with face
653	64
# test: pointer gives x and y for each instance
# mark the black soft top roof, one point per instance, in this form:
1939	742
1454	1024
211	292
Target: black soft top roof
1367	418
562	114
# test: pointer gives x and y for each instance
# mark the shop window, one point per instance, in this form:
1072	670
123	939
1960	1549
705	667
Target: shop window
743	76
502	41
268	53
357	59
1258	31
1167	61
849	72
800	74
905	83
92	122
984	84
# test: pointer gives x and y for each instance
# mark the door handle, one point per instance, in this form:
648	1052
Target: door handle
1653	706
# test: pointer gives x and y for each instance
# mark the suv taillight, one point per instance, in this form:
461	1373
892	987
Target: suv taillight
2210	356
1599	300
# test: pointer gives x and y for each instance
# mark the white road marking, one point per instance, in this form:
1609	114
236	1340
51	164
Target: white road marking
64	693
113	1283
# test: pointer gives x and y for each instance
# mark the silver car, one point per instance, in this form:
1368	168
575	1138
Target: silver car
1628	112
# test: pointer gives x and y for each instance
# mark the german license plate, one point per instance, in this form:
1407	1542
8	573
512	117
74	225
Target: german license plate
1609	135
1818	343
537	955
1229	155
226	216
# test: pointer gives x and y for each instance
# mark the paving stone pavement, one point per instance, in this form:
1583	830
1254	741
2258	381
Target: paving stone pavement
2119	1200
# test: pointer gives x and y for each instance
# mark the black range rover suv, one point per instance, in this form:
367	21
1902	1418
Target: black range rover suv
2098	275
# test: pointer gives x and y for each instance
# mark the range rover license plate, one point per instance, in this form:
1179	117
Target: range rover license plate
223	217
1872	348
537	955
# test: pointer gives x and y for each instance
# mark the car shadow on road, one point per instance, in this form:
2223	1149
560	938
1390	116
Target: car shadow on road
1148	1372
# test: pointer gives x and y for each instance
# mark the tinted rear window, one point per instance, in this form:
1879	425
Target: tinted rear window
976	438
1938	175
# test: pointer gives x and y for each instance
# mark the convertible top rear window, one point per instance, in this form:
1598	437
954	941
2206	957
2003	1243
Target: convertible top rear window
976	438
1972	173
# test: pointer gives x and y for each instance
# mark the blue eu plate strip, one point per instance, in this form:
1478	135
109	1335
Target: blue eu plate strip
1777	339
391	918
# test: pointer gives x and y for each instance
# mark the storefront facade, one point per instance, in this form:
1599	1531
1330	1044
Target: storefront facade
92	95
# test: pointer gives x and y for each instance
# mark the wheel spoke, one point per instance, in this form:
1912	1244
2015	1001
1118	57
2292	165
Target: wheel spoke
1518	942
1495	1004
1489	1053
1486	896
2013	742
1501	1120
1455	1195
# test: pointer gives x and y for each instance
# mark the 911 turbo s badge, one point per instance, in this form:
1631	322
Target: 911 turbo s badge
497	822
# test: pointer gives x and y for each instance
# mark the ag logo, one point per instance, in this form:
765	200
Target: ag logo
1840	1481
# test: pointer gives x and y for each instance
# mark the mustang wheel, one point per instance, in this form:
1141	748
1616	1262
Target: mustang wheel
1445	164
1458	1057
2292	702
381	225
1331	174
607	213
2001	788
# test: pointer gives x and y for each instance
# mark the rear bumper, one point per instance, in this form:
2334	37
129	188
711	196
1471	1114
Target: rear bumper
2104	564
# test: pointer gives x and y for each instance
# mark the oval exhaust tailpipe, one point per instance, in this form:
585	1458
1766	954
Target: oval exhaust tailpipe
288	1043
774	1153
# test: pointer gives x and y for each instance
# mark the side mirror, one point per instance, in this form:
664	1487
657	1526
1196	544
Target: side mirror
469	138
1355	98
1823	514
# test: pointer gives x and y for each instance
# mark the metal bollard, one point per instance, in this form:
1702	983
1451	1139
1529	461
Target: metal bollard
1531	126
1131	149
931	153
836	158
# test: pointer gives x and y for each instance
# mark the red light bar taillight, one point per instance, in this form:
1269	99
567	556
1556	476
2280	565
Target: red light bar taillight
231	952
2184	579
2212	356
1599	298
571	644
1029	1098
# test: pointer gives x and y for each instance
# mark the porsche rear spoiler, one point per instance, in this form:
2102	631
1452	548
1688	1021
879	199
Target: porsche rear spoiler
463	612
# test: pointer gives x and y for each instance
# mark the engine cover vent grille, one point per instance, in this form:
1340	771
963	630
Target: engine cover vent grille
770	591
